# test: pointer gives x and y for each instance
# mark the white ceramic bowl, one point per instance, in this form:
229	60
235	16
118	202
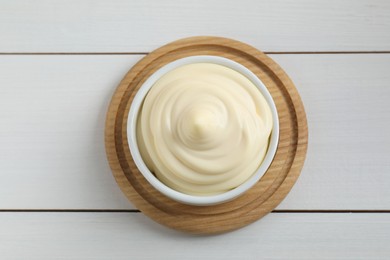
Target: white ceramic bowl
153	180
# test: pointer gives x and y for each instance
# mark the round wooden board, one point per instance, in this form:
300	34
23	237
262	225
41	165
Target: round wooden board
261	198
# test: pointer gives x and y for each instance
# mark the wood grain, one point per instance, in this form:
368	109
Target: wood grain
141	26
260	199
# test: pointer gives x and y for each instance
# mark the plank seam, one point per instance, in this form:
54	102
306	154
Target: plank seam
138	211
145	53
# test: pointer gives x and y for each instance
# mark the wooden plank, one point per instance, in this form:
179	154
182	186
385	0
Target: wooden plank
52	111
346	100
52	114
129	26
132	235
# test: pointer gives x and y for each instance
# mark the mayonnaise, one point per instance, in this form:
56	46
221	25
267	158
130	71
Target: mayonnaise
204	129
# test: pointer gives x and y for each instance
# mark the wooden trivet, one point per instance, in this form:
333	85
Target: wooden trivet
261	198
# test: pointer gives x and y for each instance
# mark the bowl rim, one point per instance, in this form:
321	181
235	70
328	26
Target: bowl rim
153	180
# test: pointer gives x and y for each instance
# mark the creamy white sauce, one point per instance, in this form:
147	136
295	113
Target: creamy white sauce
204	129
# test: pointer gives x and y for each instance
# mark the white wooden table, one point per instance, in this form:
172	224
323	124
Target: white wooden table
60	62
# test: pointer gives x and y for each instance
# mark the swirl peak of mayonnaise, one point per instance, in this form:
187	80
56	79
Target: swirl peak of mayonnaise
204	129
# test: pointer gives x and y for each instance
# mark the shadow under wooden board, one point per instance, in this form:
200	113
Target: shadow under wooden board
264	196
